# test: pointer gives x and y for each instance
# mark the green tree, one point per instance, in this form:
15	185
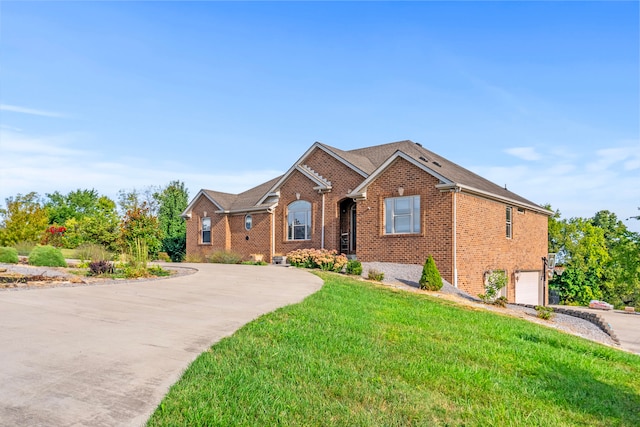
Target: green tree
77	204
622	271
430	278
172	201
138	225
23	219
100	227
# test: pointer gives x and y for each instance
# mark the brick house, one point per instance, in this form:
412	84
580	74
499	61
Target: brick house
395	202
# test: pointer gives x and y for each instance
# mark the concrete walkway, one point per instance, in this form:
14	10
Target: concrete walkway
105	355
626	326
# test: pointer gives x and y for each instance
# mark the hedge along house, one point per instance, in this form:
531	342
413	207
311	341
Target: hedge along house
395	202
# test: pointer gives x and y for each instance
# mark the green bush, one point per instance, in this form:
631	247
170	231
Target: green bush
354	267
376	275
8	255
430	278
47	256
544	313
24	247
495	280
225	257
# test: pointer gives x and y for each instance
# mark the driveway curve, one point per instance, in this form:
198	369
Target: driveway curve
106	355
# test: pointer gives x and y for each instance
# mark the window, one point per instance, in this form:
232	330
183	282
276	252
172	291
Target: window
402	215
299	220
206	230
248	222
509	222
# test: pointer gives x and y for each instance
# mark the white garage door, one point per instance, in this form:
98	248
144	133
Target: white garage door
528	288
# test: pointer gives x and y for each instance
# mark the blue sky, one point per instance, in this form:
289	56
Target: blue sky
541	96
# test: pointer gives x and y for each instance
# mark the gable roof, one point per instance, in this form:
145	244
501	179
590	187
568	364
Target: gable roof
369	162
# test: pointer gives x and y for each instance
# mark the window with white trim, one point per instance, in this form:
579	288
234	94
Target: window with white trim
402	215
509	222
248	222
206	230
299	220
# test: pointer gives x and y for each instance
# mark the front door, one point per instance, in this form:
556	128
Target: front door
347	233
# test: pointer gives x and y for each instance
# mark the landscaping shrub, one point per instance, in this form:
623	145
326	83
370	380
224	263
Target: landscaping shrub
544	313
376	275
24	247
317	258
195	258
494	281
354	267
47	256
8	255
163	256
225	257
175	247
430	278
97	268
93	252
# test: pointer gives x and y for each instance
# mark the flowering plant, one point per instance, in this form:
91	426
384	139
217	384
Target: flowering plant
317	258
53	235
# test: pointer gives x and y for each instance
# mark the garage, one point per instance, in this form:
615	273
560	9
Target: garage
528	288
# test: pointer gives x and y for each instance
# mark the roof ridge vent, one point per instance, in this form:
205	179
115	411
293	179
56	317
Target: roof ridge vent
418	144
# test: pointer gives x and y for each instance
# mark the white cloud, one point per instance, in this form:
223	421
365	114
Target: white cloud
53	163
524	153
578	186
30	111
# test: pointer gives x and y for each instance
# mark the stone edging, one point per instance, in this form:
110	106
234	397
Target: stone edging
594	318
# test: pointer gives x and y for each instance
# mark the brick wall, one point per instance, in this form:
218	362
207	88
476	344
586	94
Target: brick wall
435	237
482	243
219	230
254	241
343	180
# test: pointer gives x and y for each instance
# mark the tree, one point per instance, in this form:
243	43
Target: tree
24	219
100	227
172	201
430	278
76	204
138	225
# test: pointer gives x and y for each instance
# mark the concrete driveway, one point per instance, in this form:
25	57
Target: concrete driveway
626	326
105	355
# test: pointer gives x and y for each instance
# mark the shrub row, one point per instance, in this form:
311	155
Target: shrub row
317	258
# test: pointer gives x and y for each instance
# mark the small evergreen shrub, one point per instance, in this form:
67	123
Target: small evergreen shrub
47	256
376	275
354	267
225	257
430	278
96	268
175	247
8	255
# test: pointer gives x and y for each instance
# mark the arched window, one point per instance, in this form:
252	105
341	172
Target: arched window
299	220
248	222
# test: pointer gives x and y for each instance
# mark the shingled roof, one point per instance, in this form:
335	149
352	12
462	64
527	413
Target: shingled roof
370	162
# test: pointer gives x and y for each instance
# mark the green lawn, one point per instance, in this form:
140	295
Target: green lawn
357	354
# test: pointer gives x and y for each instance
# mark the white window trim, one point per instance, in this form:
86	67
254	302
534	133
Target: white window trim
202	231
509	222
415	226
248	219
307	226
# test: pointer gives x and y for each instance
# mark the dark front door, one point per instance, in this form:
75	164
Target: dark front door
347	227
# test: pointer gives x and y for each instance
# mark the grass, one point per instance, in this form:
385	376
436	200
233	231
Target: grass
359	354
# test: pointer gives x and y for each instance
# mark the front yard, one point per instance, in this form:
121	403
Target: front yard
359	354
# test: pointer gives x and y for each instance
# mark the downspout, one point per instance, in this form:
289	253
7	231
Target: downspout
322	234
273	234
455	237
